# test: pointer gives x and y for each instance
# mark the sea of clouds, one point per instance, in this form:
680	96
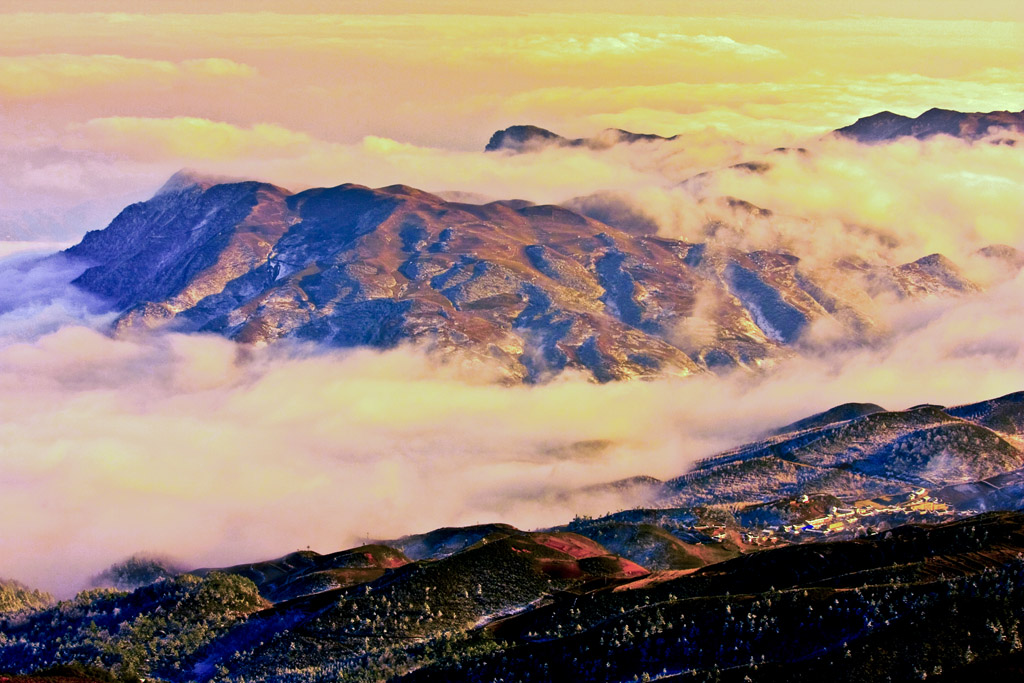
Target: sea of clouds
216	453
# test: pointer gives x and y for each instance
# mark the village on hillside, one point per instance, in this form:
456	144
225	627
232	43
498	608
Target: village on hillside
858	518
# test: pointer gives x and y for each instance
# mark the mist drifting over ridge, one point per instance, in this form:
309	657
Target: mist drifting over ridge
448	341
225	452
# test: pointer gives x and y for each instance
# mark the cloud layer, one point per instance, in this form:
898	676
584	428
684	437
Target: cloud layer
36	76
215	453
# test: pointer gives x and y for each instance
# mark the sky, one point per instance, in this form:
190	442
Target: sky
217	454
101	101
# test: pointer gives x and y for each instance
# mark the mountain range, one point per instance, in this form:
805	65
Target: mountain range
886	126
531	289
881	127
736	570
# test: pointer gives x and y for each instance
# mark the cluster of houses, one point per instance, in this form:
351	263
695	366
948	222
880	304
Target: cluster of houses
762	537
864	513
853	520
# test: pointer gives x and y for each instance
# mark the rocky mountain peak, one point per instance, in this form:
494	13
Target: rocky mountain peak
521	137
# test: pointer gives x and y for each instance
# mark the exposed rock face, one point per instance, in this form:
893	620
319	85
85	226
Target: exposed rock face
886	126
536	288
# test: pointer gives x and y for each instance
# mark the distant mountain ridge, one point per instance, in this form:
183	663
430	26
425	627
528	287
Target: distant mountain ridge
858	450
884	126
530	138
533	289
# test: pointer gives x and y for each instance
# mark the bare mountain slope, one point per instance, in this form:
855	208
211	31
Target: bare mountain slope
535	289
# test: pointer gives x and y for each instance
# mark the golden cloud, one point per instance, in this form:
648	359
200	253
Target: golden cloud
940	195
187	137
51	74
298	448
633	43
